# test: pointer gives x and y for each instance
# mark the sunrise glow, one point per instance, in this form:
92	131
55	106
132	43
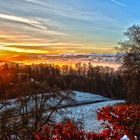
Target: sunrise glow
66	27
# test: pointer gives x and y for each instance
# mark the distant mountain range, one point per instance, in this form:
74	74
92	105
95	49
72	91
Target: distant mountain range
109	58
115	58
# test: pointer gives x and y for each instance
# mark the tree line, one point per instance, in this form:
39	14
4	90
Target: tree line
123	83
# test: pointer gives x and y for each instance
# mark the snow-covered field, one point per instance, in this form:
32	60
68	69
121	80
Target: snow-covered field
86	113
82	97
79	97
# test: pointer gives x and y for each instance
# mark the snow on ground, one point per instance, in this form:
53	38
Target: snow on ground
79	97
82	97
84	113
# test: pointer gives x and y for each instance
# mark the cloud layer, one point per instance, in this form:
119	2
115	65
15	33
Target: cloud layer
53	27
117	2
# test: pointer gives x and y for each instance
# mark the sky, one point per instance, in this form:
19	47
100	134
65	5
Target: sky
33	27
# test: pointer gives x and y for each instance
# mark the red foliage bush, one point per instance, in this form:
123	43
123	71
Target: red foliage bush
121	120
118	121
67	131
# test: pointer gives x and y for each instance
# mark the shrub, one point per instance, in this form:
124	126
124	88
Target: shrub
121	120
67	131
117	121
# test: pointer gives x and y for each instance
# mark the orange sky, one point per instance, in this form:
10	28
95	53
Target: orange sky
17	44
39	27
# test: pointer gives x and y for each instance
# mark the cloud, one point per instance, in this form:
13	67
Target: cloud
54	26
33	1
37	48
79	13
21	50
119	3
29	21
39	44
37	23
12	36
72	11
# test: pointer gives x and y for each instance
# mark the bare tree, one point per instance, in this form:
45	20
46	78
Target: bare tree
130	48
32	109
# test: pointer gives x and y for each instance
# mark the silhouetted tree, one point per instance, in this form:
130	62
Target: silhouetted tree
130	48
34	107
